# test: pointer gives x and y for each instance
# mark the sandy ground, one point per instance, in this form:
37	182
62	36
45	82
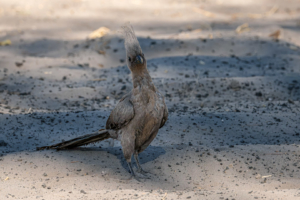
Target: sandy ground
233	96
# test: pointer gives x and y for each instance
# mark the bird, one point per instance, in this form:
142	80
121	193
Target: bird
137	117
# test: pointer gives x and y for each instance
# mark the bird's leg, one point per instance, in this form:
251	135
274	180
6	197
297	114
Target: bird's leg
140	169
128	143
132	172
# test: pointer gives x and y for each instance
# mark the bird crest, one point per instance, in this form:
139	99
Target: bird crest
132	45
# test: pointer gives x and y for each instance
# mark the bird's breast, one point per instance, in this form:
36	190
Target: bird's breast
149	104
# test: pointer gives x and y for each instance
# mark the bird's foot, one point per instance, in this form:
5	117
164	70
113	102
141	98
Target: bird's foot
131	177
136	178
141	171
144	173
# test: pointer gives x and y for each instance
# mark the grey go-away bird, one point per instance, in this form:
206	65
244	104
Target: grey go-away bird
138	116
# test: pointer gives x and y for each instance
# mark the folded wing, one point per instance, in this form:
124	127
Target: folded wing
121	115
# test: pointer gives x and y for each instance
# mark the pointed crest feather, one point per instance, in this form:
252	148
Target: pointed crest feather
132	45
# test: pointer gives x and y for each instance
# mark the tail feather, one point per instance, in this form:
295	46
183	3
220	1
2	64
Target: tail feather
79	141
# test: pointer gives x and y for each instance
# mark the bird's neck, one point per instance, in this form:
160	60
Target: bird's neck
141	78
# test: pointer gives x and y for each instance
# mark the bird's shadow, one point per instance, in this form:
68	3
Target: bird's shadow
148	155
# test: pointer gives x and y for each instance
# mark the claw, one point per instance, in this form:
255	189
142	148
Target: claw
141	171
144	173
136	178
130	178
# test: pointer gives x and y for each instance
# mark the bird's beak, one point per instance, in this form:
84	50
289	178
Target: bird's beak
139	59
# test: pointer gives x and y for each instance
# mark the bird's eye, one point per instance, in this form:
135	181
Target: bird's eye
129	59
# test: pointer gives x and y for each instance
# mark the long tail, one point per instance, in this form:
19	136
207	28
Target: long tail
79	141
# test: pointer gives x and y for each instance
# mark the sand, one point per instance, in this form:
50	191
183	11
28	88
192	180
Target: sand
232	91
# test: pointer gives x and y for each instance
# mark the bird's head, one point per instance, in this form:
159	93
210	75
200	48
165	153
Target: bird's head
135	57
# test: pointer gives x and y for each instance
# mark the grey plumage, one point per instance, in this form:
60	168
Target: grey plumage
138	116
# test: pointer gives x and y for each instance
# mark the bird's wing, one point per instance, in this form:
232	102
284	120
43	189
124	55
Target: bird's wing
122	114
165	116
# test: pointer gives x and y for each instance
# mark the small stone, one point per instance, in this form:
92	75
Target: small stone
258	94
234	85
123	87
3	143
19	64
290	101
